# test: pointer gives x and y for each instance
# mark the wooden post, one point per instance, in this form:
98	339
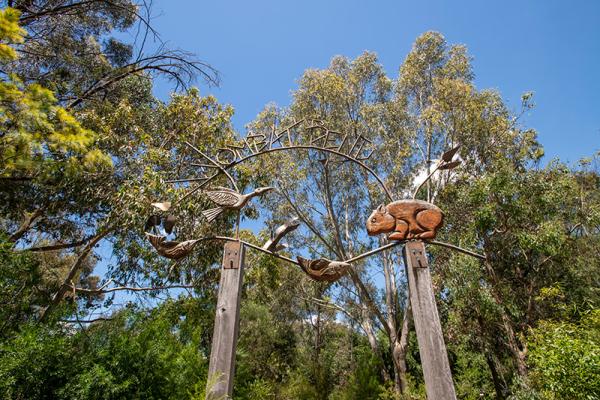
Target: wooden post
432	349
225	334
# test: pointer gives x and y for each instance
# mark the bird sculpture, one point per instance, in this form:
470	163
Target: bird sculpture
228	199
170	248
324	270
272	244
154	221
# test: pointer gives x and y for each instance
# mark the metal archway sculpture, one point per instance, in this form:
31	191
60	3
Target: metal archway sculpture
408	221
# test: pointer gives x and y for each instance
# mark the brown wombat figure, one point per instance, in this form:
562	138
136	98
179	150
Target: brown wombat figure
406	219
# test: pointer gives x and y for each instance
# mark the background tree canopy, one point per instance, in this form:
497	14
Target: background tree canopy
85	148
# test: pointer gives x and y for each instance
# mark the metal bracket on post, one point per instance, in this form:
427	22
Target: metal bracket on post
231	257
417	257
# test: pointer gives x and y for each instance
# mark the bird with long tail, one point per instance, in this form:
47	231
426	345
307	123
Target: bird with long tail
229	199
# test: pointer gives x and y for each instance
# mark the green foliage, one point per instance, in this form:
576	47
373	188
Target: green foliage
19	274
36	363
10	33
565	358
365	382
137	355
39	137
85	148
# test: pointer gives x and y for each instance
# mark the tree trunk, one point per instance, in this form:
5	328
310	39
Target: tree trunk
397	347
368	328
498	386
399	350
507	324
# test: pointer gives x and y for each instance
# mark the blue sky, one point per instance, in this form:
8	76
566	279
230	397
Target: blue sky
262	47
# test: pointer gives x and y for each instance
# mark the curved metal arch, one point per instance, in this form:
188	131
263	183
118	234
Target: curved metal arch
216	164
310	147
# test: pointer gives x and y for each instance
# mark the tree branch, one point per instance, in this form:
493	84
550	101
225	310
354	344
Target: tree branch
57	246
89	321
29	220
131	288
66	285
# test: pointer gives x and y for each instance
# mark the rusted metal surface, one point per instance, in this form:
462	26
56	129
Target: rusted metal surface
445	162
405	220
307	134
449	155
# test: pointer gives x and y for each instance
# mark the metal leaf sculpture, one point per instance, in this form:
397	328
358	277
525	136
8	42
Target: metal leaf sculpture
450	165
324	270
151	223
168	223
164	206
273	243
448	155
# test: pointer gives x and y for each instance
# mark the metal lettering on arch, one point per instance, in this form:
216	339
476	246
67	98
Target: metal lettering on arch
306	134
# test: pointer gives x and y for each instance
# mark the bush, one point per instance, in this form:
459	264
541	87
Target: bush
565	359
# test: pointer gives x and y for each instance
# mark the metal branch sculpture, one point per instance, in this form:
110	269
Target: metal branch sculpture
407	222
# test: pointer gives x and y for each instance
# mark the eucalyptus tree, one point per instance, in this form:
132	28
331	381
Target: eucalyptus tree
72	48
532	223
539	231
332	197
432	106
117	139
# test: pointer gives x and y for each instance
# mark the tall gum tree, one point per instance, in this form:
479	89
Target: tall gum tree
432	106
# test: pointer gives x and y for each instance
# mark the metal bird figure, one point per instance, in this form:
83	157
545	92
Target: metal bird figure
273	244
228	199
171	249
167	222
151	223
324	270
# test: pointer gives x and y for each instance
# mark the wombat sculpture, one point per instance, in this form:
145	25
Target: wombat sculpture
406	219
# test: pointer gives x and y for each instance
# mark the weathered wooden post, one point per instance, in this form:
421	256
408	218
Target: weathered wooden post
434	358
227	320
